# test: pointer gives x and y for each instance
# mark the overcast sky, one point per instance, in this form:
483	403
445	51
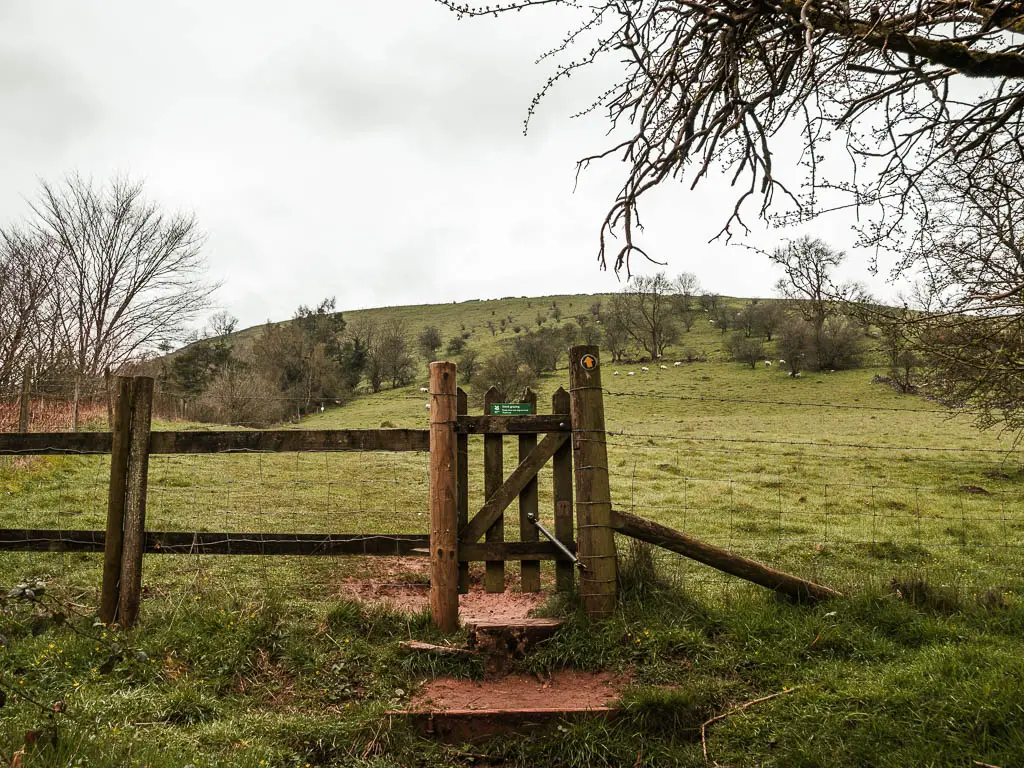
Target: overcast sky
371	151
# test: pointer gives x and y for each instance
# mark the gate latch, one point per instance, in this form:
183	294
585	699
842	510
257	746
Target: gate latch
550	536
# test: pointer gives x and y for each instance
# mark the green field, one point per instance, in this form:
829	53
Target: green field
915	515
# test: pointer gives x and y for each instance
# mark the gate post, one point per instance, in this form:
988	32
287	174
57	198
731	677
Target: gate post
444	514
595	535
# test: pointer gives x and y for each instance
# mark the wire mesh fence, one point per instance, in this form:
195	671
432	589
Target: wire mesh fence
842	510
826	513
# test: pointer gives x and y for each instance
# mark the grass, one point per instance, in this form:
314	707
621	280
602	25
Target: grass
248	660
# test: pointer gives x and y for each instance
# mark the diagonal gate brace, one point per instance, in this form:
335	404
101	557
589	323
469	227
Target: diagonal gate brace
509	490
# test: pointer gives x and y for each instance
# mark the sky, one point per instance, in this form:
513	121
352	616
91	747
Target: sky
373	152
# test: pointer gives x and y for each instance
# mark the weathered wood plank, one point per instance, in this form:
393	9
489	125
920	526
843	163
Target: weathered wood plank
494	474
279	440
304	544
54	443
218	543
499	500
529	570
297	440
512	425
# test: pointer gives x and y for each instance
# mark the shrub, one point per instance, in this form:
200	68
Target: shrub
745	350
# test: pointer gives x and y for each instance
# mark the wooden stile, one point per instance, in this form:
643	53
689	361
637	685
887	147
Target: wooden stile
528	505
494	474
562	494
444	513
462	449
136	483
595	537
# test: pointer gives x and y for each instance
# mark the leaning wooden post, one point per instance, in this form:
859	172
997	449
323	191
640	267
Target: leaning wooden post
114	540
136	480
561	465
462	449
595	537
26	393
444	512
529	570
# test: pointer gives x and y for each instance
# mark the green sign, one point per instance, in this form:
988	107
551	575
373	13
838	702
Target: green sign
511	409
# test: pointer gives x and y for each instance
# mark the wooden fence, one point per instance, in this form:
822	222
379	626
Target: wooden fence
454	539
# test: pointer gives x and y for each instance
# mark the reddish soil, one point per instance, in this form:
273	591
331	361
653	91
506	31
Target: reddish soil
565	691
401	582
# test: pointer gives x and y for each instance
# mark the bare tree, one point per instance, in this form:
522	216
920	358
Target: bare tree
897	89
968	330
27	277
390	353
688	287
809	263
644	307
129	277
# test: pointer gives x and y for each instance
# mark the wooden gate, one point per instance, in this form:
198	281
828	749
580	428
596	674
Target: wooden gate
456	537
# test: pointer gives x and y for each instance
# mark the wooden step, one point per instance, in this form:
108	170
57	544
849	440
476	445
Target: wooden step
469	725
501	641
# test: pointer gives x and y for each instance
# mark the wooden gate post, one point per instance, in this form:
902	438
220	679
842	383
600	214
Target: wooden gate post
462	449
444	512
595	535
26	393
136	483
114	539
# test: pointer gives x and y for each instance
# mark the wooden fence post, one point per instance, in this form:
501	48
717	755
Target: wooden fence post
528	505
444	512
136	481
462	449
26	393
562	493
74	412
113	542
595	537
494	476
110	403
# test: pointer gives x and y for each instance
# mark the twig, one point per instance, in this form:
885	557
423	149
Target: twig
984	765
734	710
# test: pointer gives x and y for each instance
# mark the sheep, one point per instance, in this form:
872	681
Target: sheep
782	362
616	373
677	363
644	369
663	367
631	374
424	389
428	406
767	363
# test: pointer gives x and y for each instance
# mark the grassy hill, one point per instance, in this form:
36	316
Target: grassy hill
915	515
